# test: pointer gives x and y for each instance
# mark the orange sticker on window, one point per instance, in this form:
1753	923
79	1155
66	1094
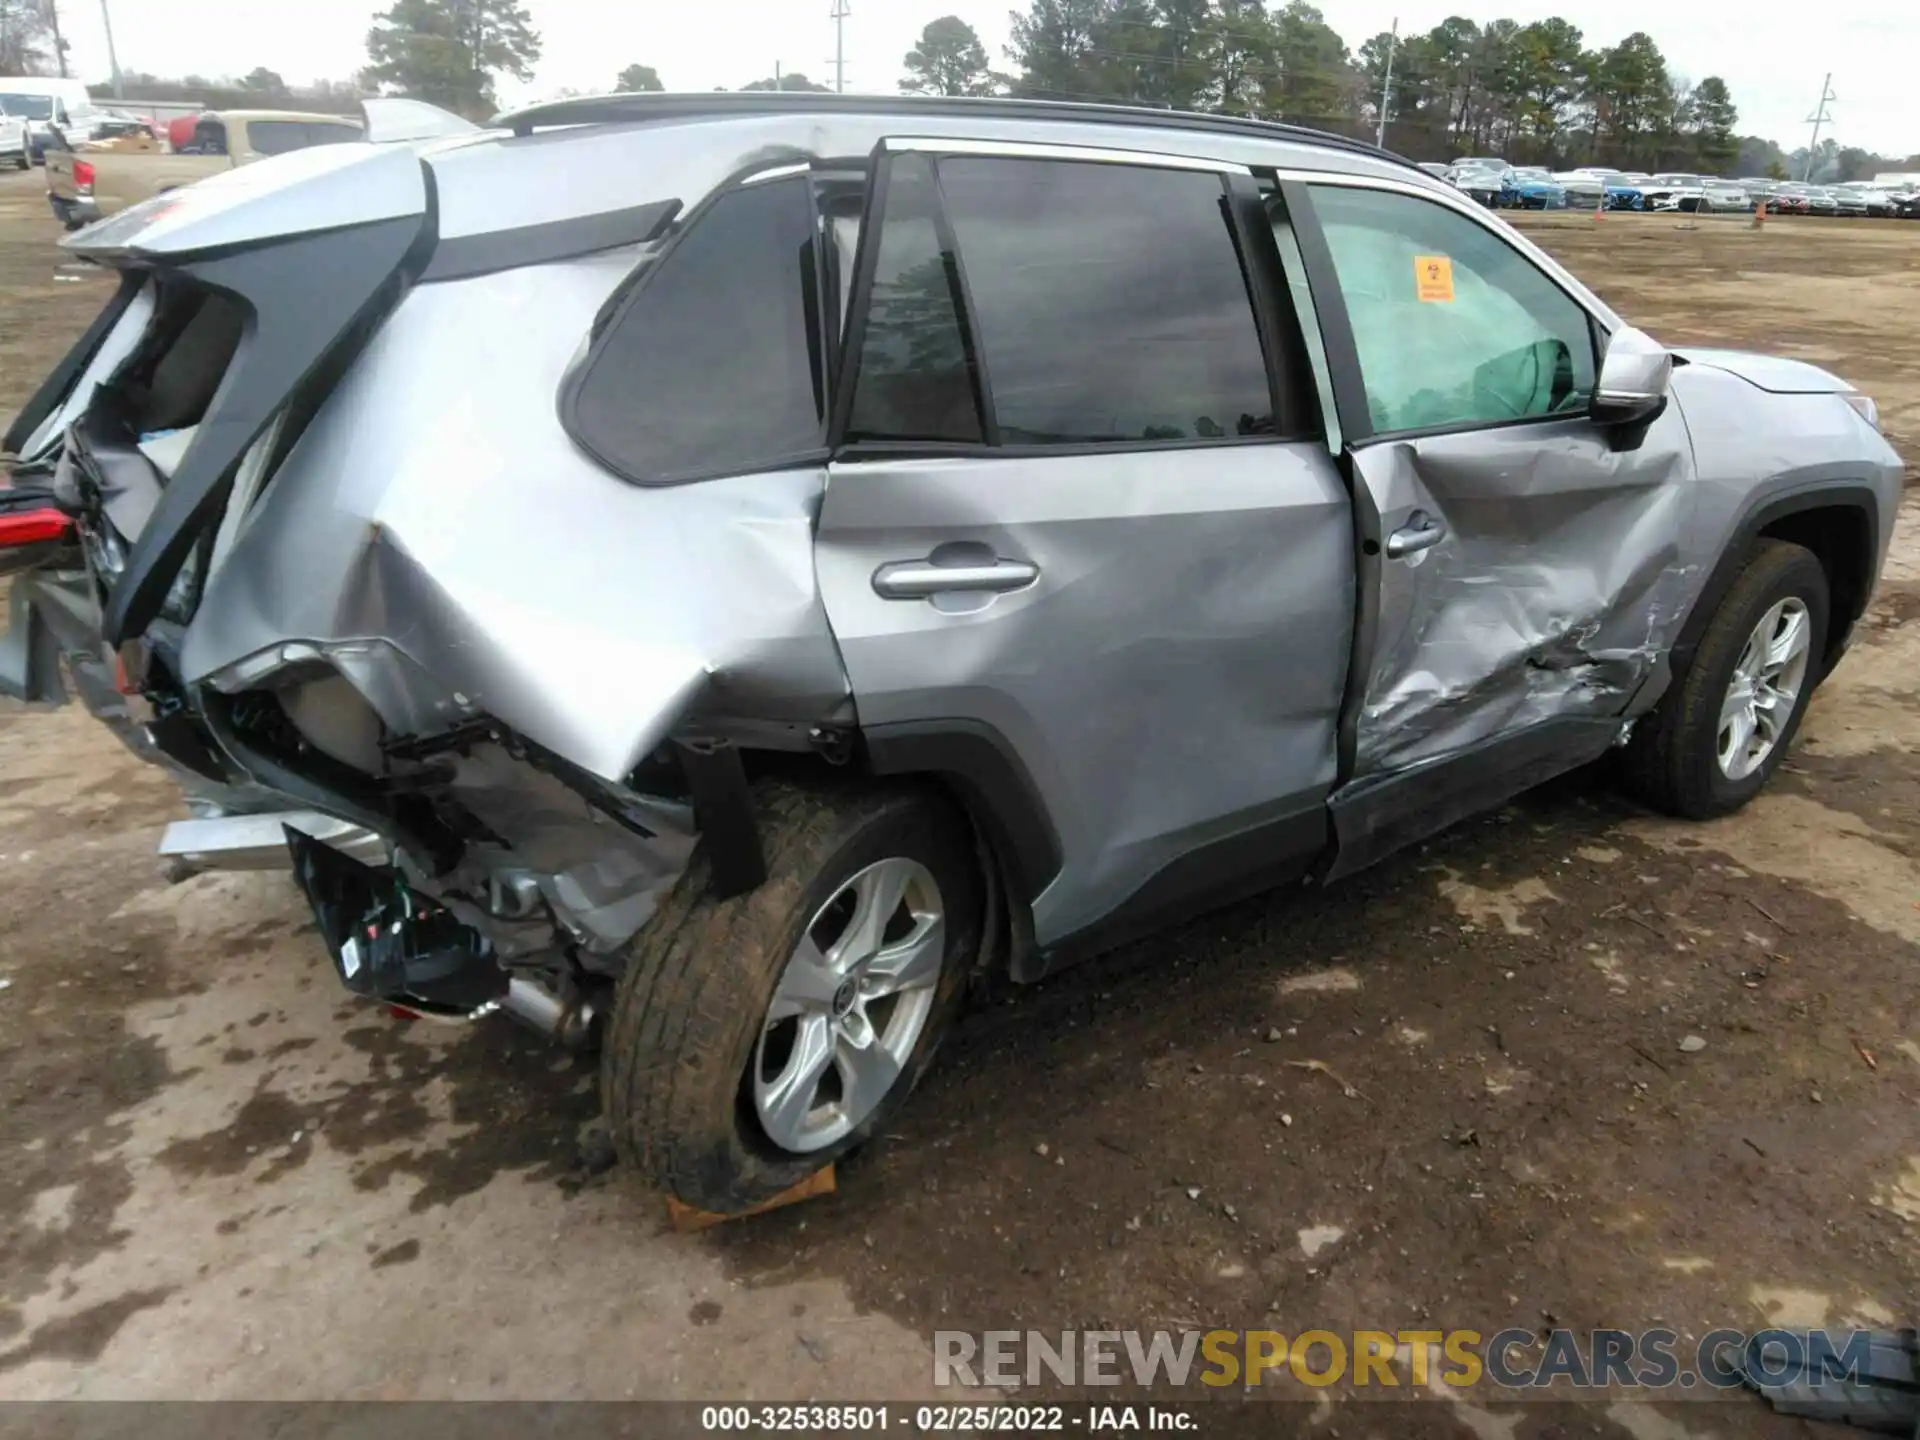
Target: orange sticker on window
1433	277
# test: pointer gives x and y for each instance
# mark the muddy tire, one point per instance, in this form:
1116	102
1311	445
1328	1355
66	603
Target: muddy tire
1687	757
692	1061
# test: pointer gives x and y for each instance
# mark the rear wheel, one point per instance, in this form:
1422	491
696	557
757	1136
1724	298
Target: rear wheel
1725	725
756	1039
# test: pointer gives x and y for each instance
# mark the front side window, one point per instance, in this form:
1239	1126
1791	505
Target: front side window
1453	326
1110	301
709	369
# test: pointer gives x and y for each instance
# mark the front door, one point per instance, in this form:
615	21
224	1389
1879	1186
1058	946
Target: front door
1519	564
1078	520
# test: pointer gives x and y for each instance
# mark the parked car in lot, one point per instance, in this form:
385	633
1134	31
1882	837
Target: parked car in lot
1659	192
1725	195
13	142
1626	192
1790	198
1820	200
1482	180
1257	507
1531	188
84	184
1673	195
1584	189
1860	200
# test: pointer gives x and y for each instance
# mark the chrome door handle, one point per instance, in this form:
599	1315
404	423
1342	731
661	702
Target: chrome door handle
922	579
1420	532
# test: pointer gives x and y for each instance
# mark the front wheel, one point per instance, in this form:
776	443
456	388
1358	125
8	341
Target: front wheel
756	1039
1724	726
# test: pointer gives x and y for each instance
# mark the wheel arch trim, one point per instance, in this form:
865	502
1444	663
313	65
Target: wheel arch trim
986	772
1851	496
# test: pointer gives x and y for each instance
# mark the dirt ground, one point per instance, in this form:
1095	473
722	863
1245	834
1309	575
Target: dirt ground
222	1178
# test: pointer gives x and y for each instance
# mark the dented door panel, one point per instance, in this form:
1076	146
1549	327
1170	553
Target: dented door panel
1171	675
1561	577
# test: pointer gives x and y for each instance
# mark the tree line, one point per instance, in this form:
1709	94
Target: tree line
1533	93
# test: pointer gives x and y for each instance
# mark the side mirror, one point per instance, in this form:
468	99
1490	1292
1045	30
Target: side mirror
1634	375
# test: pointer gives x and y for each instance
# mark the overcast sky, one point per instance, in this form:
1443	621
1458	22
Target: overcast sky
1773	63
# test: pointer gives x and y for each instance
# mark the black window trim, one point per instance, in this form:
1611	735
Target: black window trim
1269	302
971	344
866	259
648	271
1295	189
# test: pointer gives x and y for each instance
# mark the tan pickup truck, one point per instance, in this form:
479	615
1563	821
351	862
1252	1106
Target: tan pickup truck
86	183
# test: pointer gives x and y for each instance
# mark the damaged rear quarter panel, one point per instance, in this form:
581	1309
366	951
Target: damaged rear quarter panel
487	568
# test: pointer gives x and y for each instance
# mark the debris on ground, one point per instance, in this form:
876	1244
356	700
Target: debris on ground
1320	1067
1692	1045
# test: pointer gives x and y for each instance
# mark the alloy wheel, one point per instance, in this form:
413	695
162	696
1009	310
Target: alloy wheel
850	1005
1764	689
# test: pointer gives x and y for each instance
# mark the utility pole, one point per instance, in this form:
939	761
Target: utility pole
59	45
841	9
113	58
776	76
1819	118
1386	85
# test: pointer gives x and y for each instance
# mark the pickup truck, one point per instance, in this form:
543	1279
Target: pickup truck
86	183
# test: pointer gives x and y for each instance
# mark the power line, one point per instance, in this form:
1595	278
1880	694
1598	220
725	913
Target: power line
1818	119
1386	85
841	9
113	59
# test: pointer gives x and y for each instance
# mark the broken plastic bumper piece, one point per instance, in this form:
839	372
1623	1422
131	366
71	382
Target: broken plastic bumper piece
388	942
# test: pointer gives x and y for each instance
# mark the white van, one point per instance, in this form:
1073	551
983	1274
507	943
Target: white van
44	102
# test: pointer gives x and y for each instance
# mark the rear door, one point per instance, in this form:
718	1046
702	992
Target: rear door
1520	566
1081	518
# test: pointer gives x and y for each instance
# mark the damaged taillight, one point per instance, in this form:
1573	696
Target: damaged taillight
34	527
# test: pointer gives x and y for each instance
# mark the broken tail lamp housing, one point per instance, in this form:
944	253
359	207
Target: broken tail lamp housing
34	527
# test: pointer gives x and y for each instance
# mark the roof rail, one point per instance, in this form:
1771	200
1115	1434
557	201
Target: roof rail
613	109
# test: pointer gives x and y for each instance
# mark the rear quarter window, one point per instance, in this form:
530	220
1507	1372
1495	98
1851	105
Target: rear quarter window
709	368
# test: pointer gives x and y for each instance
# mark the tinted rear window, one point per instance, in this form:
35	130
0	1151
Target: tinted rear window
709	369
1110	301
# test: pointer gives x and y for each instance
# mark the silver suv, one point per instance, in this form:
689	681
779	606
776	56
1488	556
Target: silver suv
716	574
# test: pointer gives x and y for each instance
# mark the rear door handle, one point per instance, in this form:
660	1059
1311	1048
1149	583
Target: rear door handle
922	579
1419	533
